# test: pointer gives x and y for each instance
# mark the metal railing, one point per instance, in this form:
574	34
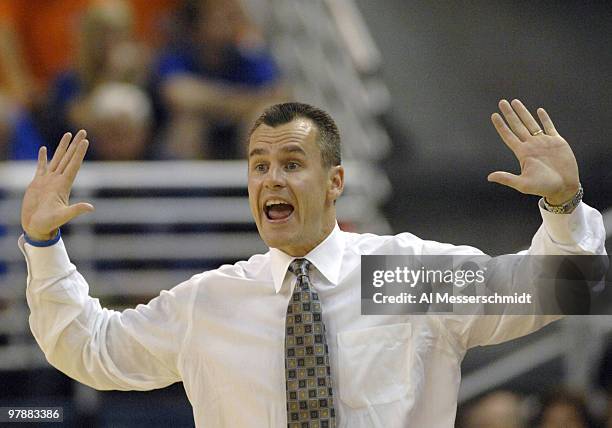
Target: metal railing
331	60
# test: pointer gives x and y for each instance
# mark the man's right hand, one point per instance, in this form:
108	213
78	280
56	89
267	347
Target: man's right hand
45	204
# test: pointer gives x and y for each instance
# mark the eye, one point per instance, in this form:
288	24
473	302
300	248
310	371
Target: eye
260	167
292	166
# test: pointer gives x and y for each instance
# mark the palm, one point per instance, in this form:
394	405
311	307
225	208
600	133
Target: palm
548	165
45	204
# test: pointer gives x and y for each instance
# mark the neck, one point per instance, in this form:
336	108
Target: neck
302	251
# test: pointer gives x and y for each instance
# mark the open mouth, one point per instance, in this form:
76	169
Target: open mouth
277	210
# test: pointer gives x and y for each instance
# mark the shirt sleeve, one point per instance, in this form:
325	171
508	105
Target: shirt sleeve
579	233
137	349
25	138
170	64
253	67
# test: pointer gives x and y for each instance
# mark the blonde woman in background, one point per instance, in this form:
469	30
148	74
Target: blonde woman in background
19	136
108	51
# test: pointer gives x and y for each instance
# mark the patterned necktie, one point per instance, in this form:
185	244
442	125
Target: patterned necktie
307	372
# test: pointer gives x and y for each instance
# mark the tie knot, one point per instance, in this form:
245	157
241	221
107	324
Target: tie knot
299	267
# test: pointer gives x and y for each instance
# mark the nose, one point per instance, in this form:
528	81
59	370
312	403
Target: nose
275	178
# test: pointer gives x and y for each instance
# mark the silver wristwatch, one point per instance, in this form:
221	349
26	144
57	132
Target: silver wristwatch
566	207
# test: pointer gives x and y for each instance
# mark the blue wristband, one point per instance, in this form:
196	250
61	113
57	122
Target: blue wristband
48	243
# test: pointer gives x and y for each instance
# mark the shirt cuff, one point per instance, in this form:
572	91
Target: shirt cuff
45	262
48	243
567	229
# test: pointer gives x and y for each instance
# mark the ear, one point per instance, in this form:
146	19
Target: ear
336	182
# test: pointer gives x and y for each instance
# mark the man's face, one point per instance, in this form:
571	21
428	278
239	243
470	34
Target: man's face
291	193
120	139
221	23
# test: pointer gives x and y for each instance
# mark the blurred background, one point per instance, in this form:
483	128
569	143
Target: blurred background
167	90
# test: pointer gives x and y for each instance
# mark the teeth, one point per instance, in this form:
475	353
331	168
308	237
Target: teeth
274	202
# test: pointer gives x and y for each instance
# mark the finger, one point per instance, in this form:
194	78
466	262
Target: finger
532	125
41	166
60	151
71	150
506	179
548	124
76	210
514	121
75	163
505	133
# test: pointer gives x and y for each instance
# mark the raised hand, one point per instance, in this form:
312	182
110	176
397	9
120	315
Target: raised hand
45	204
548	165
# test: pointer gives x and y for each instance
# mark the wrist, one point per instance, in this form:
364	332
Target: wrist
563	197
35	237
567	206
42	240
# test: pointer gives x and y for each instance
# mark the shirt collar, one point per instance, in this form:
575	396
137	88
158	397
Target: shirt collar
326	257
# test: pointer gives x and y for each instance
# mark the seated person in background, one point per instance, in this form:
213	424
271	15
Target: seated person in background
108	52
213	81
19	137
497	409
119	116
564	409
604	381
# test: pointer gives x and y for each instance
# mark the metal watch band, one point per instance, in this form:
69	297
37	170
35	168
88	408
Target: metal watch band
566	207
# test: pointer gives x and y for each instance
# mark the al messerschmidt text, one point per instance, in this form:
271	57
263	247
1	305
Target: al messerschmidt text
496	298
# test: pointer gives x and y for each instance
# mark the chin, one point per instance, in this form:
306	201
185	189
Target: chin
276	240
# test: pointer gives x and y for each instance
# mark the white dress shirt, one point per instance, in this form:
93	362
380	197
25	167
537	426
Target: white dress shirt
222	332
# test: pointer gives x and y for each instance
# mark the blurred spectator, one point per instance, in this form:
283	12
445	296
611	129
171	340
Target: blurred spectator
15	75
119	122
19	137
46	29
498	409
108	52
212	81
604	381
564	409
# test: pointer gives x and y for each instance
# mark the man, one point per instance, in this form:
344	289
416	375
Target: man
213	82
279	340
497	409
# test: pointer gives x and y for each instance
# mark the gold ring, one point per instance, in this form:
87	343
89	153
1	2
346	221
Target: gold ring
538	132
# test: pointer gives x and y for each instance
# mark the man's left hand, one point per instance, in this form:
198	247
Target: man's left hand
548	165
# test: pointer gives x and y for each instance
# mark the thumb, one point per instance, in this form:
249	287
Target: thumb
76	210
506	179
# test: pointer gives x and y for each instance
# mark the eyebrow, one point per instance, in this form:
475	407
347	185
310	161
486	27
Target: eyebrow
257	152
293	148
